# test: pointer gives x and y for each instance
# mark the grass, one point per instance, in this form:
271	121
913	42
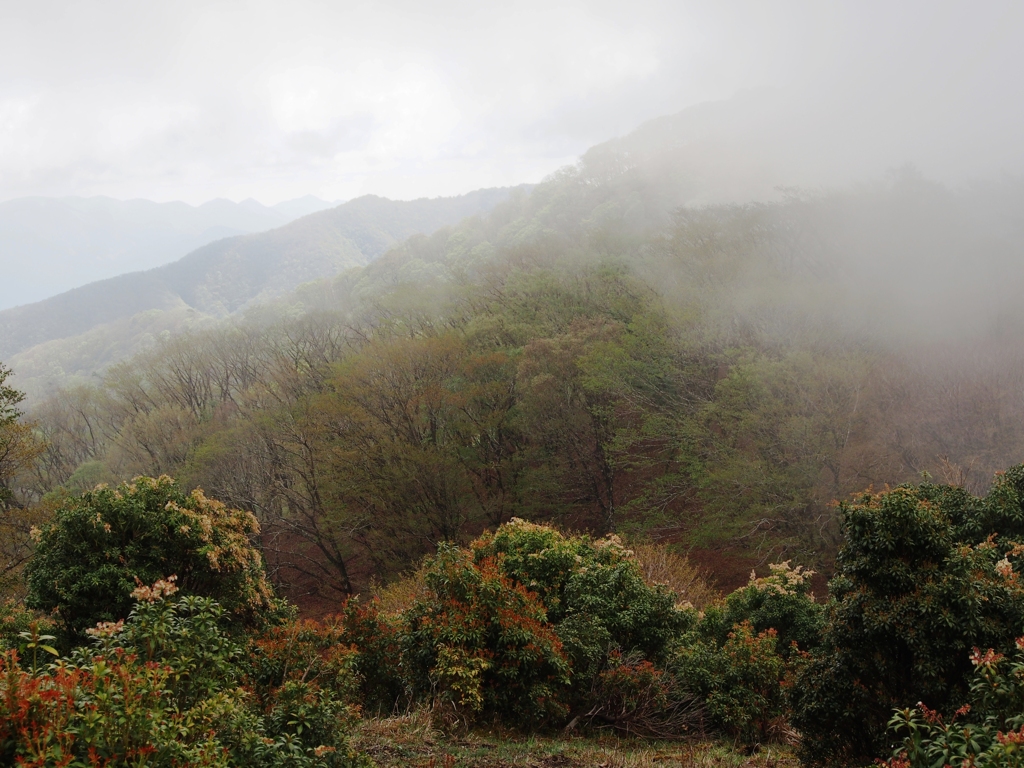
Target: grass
411	740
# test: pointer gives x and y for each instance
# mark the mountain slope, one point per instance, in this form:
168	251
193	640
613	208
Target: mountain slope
49	245
214	281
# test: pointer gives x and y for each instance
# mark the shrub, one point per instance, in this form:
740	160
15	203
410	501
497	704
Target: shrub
925	573
397	596
304	650
95	712
541	559
377	640
164	688
781	601
988	731
594	593
303	677
480	643
740	681
637	698
741	651
103	543
16	622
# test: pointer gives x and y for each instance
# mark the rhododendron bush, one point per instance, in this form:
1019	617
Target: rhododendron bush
926	573
987	731
103	543
168	687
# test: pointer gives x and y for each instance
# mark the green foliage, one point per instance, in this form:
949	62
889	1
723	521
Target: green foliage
10	398
593	592
772	443
739	681
15	620
188	636
741	652
926	574
19	450
305	651
988	731
781	601
166	688
377	640
480	642
105	543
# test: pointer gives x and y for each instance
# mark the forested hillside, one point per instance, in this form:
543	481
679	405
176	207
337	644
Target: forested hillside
577	464
589	355
85	329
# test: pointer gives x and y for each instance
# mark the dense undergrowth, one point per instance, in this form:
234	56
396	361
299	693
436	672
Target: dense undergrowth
914	656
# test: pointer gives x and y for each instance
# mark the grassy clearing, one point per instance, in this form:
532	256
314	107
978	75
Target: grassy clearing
411	740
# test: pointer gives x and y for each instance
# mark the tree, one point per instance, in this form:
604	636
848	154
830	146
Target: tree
19	449
773	442
17	446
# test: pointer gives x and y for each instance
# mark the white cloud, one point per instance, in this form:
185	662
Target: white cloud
198	99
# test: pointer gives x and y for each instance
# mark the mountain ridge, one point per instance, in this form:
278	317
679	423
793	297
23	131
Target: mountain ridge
51	245
227	275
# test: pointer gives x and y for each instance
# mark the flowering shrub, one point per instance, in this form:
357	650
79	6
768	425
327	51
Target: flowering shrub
781	601
740	681
543	559
186	636
480	643
989	731
925	573
594	593
103	543
166	688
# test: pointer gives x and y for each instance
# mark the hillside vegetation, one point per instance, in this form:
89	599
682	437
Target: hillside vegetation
526	630
507	465
84	330
716	376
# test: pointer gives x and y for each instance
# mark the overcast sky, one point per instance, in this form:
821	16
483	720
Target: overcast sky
274	100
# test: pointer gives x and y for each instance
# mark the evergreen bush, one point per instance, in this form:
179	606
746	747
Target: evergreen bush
167	687
480	642
925	573
104	543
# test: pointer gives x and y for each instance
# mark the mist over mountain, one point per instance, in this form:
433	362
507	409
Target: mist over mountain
874	239
658	305
50	245
704	445
89	327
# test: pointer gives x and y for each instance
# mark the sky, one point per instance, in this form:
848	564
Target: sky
275	100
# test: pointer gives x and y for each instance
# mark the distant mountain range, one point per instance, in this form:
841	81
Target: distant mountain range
85	329
49	245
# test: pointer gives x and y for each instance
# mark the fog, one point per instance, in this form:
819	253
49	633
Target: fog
196	100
